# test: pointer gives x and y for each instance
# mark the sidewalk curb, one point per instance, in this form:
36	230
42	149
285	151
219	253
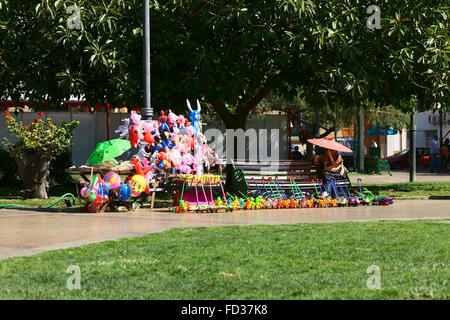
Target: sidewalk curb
423	198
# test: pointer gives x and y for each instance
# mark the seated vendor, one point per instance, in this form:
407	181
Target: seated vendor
331	164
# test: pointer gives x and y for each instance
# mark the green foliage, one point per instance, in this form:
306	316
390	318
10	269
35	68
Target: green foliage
9	173
390	117
413	189
232	54
40	137
58	168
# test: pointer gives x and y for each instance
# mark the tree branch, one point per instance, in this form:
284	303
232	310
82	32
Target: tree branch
224	113
327	132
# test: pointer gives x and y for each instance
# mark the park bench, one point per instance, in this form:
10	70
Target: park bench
303	172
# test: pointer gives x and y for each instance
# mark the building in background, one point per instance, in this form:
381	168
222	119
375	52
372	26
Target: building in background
428	126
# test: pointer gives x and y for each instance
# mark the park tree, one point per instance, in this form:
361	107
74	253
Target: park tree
232	55
48	57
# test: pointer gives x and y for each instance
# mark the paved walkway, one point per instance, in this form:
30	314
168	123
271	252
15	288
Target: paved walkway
30	232
401	176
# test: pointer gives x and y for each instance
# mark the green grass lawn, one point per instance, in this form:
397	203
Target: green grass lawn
303	261
11	196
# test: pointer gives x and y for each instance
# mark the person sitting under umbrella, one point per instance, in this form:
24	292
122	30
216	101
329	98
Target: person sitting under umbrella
331	164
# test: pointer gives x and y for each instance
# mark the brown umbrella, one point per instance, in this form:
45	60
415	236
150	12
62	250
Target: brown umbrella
330	144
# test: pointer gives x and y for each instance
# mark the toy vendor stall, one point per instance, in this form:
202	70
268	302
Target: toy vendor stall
166	148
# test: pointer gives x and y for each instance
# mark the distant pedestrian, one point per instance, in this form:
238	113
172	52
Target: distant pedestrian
374	144
348	145
296	154
444	157
434	150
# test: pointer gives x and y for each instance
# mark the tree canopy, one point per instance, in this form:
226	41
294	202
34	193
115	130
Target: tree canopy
230	54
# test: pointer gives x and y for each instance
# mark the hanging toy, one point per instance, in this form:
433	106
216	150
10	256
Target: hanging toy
142	173
123	192
113	180
195	117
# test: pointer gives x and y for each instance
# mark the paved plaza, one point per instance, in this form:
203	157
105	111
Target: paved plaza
29	232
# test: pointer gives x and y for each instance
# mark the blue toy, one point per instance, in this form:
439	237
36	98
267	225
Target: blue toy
195	117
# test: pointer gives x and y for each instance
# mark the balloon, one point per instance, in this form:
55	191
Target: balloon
92	196
84	191
97	204
138	183
134	193
113	179
124	192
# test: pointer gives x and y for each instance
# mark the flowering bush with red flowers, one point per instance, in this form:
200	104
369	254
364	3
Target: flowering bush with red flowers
37	144
41	136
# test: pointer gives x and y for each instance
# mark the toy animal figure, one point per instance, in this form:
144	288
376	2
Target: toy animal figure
163	126
182	207
365	201
123	129
190	132
141	172
136	118
309	203
353	201
333	203
258	203
143	154
149	132
135	135
235	204
181	121
195	117
171	119
185	169
219	202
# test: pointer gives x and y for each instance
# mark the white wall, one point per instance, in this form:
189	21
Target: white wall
92	129
424	125
270	141
393	144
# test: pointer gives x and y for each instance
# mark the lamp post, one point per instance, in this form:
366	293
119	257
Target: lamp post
412	148
146	110
361	152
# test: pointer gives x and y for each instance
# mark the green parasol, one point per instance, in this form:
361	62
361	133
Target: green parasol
108	150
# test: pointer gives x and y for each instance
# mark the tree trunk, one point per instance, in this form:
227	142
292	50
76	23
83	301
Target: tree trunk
236	122
34	170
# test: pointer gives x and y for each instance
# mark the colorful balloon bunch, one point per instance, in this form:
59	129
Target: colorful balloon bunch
98	191
173	144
